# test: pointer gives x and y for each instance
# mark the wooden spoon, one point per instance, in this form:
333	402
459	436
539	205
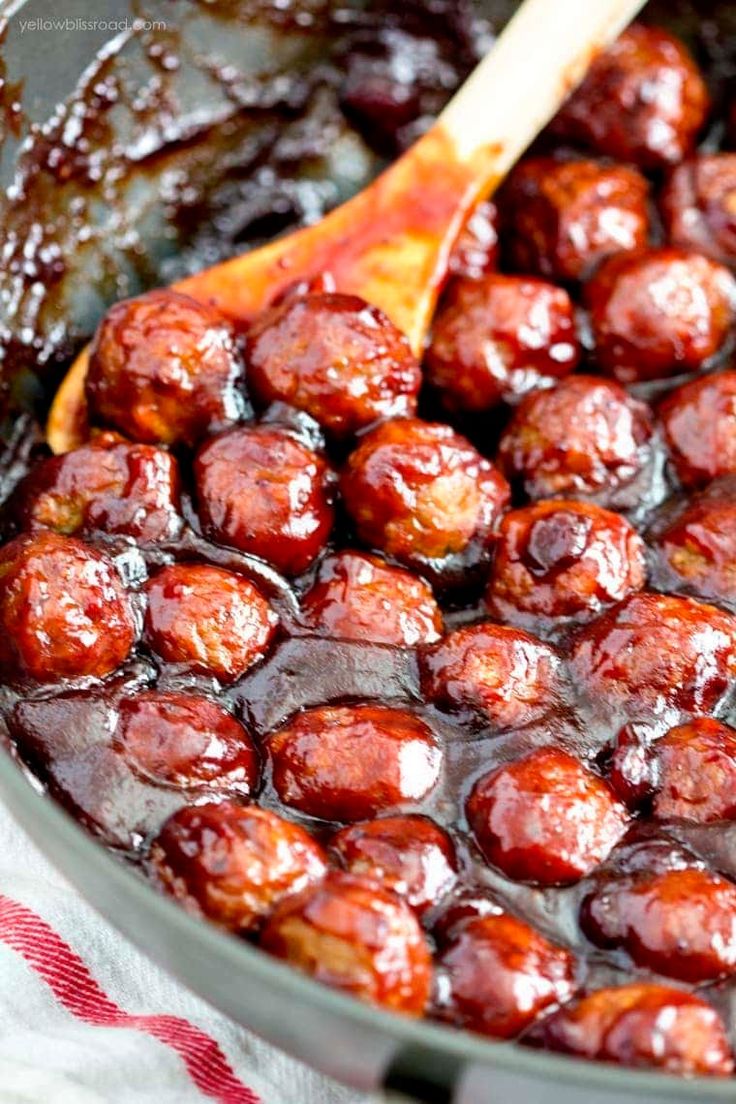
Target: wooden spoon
391	243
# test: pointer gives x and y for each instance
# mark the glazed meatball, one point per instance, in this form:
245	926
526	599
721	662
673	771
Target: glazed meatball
420	492
350	762
497	338
584	438
335	357
693	772
545	818
472	903
262	491
560	560
656	657
630	766
643	1025
209	620
395	80
501	975
353	935
476	250
695	550
563	217
72	743
507	676
233	863
164	368
109	486
678	923
357	596
63	610
699	424
411	855
643	100
698	206
188	741
659	312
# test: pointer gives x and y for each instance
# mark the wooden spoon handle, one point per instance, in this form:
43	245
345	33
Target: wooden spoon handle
542	55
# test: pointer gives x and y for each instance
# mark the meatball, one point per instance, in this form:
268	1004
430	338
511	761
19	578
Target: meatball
496	338
350	762
561	218
262	491
357	596
561	560
188	741
699	424
655	656
109	486
164	368
659	312
679	923
693	771
507	676
397	77
643	1025
211	621
630	770
335	357
233	863
420	492
643	100
695	551
698	206
501	975
545	818
353	935
72	742
585	438
411	855
476	250
472	903
64	612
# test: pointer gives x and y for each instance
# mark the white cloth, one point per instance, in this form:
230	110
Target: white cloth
86	1019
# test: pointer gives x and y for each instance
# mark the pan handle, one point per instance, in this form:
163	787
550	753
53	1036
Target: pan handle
419	1076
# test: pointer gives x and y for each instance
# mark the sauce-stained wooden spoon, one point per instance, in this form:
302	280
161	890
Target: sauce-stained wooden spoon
391	243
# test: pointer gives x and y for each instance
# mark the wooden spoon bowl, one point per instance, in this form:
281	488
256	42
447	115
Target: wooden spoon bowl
391	243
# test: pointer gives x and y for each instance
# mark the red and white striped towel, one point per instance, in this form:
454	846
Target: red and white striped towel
86	1019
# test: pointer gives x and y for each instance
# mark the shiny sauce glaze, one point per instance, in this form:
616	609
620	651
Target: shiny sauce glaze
423	681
